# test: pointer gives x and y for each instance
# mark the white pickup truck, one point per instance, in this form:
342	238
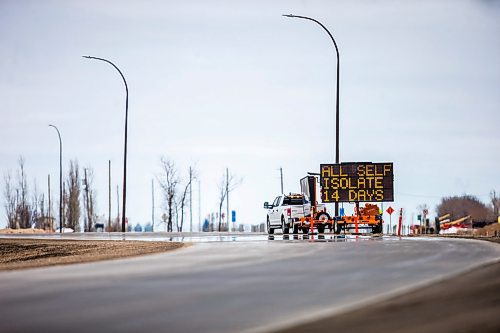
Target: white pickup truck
286	212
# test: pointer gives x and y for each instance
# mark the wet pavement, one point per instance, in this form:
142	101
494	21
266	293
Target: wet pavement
229	283
205	237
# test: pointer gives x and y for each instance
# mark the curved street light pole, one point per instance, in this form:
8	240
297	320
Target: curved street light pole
125	145
337	97
60	180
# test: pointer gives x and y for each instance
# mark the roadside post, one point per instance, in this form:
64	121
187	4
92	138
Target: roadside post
342	213
400	221
356	218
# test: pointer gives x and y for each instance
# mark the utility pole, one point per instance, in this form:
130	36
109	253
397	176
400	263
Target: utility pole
227	198
382	214
281	175
91	211
109	195
153	201
87	206
118	202
190	199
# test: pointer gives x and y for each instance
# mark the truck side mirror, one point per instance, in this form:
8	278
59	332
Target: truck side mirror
266	205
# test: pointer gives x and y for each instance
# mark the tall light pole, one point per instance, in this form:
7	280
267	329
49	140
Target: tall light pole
60	180
109	195
337	97
125	145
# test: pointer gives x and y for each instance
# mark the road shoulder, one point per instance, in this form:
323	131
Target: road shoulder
20	253
467	303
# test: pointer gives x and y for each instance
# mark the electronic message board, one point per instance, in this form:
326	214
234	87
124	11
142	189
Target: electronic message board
308	187
357	182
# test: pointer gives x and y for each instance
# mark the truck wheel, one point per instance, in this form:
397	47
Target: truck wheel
270	230
284	226
295	229
305	230
321	229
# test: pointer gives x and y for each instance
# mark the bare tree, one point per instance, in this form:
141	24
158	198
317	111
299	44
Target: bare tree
10	202
116	225
460	206
40	217
164	218
73	197
182	198
182	205
23	210
89	199
50	217
176	214
227	184
43	220
36	209
169	181
495	202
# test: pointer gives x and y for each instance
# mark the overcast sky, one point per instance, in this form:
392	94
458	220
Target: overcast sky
218	84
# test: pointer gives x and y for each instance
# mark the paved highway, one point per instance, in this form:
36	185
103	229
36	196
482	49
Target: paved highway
247	284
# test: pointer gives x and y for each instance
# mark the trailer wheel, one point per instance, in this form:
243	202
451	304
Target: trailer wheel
321	229
322	216
295	229
284	226
305	230
378	228
270	230
338	228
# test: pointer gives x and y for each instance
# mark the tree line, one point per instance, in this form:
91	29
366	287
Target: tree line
464	205
27	208
459	206
175	190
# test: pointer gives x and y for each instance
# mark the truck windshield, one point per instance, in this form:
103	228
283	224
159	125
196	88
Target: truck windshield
288	201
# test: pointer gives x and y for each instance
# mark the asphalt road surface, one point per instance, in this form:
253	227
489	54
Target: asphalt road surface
243	284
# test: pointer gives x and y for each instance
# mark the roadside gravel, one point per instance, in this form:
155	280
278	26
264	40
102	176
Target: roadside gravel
28	253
